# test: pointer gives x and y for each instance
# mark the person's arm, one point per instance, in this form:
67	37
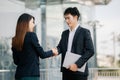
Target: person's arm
15	56
59	46
39	49
89	50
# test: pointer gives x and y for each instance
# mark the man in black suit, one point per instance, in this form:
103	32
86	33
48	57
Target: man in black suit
75	40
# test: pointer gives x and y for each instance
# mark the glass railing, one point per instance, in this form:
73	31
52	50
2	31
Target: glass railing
104	74
55	74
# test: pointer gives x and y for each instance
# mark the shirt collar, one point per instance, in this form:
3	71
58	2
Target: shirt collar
74	28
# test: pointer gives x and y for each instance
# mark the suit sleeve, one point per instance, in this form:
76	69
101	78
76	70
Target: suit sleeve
88	49
39	49
59	47
15	56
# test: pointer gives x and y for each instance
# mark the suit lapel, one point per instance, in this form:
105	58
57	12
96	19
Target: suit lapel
75	37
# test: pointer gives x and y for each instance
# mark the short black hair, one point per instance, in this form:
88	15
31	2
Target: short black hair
73	11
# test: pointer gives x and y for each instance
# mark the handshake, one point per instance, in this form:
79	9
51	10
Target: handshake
55	51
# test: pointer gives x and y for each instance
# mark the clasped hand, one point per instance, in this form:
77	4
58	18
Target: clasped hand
55	51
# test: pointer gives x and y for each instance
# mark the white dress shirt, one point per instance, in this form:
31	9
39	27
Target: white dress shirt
71	36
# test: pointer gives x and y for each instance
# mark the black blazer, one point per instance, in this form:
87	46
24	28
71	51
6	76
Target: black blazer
82	45
27	60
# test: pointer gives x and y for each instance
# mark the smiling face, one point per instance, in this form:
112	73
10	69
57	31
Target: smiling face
71	20
71	15
31	25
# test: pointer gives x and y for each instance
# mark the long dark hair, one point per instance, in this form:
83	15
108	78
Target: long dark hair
21	28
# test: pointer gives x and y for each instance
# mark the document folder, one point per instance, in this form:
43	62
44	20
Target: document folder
71	58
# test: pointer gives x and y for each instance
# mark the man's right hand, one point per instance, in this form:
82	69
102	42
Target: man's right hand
55	51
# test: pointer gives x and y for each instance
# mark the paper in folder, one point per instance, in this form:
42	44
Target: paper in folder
71	58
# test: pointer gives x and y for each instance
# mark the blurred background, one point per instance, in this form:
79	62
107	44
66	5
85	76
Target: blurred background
101	17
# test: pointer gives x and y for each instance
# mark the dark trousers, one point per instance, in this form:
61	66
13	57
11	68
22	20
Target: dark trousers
28	78
69	76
